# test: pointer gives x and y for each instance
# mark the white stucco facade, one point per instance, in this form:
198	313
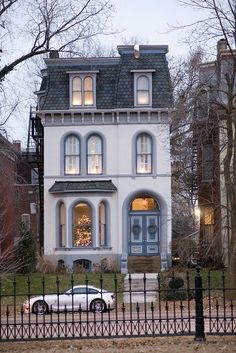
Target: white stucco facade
119	142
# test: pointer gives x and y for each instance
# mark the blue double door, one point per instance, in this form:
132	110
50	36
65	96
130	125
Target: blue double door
144	234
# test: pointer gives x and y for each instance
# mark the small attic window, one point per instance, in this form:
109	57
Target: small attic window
143	87
82	89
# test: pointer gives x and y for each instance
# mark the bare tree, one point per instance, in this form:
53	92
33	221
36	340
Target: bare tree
220	22
45	25
184	74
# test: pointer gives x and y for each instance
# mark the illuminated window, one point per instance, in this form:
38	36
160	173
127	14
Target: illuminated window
94	155
208	223
72	155
143	154
82	233
143	91
83	90
142	88
102	224
144	203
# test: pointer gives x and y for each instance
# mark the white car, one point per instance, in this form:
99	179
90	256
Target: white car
84	298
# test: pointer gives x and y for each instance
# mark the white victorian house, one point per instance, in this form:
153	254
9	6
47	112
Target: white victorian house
107	178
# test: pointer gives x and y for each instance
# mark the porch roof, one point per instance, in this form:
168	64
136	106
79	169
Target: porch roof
83	186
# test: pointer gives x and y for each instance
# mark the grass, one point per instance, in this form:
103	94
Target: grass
23	286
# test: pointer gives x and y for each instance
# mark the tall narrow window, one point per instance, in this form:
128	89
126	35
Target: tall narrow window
207	162
94	156
72	155
82	234
62	225
143	154
88	91
208	223
143	90
77	91
102	224
202	105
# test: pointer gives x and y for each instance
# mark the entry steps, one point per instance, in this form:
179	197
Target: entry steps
134	288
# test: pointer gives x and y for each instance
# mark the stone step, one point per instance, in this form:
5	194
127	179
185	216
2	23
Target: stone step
135	280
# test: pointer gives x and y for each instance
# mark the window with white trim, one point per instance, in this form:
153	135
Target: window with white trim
144	154
83	90
72	155
143	88
94	155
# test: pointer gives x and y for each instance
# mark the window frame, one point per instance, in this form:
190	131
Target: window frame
78	155
83	75
137	75
101	155
89	225
143	154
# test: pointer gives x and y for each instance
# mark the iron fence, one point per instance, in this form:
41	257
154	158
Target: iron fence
108	306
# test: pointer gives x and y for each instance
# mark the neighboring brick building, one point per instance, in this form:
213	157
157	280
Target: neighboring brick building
19	197
107	178
209	136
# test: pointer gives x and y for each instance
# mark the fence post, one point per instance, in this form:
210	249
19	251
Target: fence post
199	317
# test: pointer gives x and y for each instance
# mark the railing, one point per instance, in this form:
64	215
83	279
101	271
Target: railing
40	307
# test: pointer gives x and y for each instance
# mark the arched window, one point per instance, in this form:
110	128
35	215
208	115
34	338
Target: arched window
83	90
88	91
62	225
144	154
143	90
72	155
144	203
94	155
102	224
82	234
77	91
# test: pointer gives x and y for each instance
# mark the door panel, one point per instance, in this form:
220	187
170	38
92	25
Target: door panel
144	234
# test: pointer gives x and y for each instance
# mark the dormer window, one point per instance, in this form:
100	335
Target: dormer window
142	88
82	90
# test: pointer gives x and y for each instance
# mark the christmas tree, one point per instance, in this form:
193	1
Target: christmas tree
82	232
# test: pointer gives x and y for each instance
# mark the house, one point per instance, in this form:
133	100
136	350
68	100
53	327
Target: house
107	178
18	195
210	143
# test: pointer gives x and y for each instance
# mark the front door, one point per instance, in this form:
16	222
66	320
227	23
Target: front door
144	234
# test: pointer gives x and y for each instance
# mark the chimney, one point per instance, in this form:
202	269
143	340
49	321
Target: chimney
221	45
53	54
17	145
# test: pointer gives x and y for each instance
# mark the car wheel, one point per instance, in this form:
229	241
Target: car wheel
98	306
40	307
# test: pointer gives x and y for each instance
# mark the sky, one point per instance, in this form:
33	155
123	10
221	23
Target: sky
147	21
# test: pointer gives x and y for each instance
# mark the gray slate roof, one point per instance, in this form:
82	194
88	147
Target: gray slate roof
83	186
114	83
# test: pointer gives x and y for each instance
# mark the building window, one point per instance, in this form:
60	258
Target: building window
207	162
62	225
143	91
144	203
202	105
208	223
82	265
102	224
143	154
25	219
72	155
143	88
82	232
83	90
94	155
